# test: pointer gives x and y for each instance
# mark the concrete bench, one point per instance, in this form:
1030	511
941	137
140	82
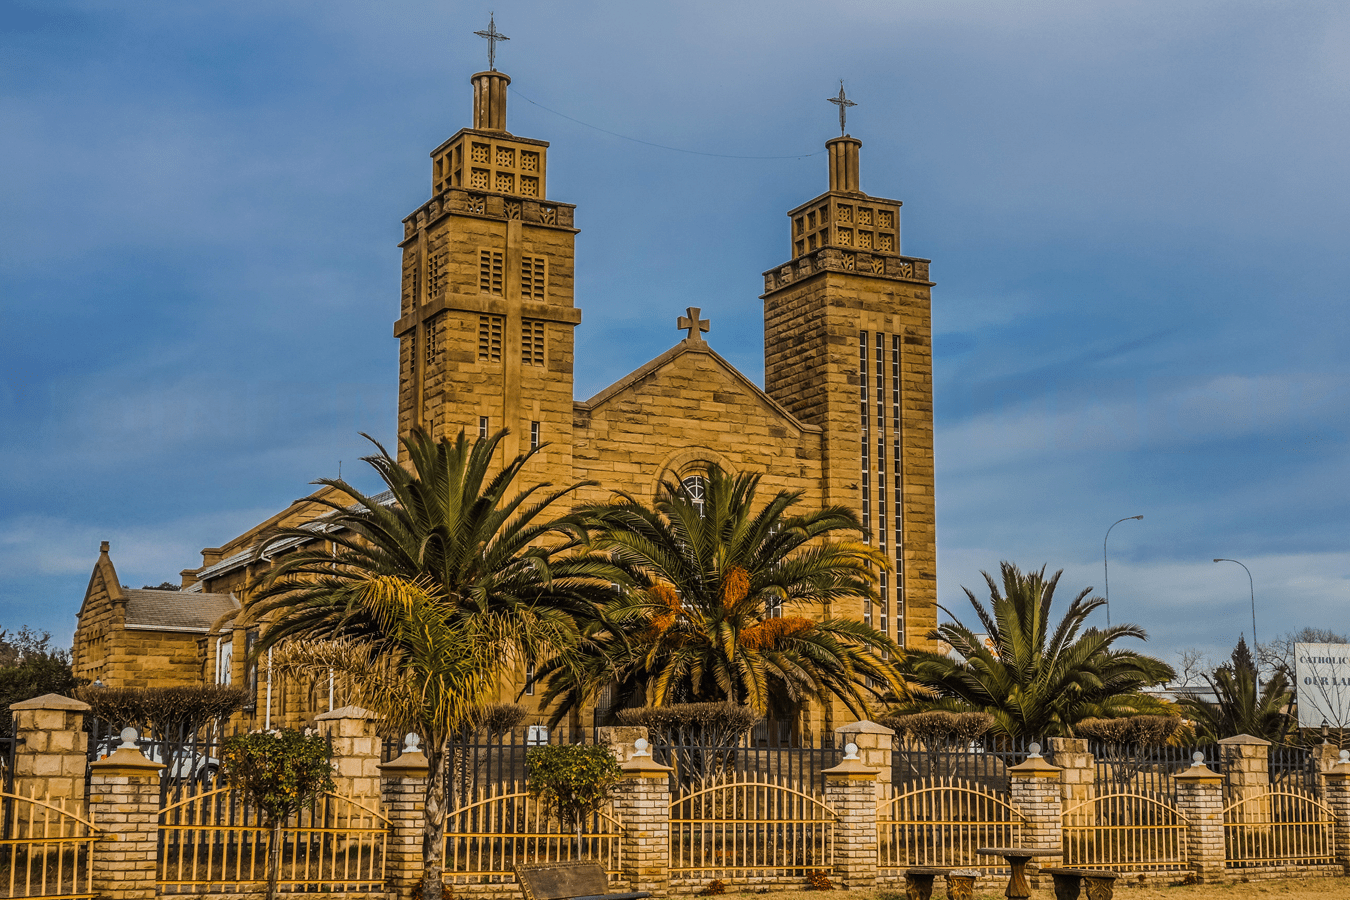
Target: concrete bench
581	879
919	882
1069	883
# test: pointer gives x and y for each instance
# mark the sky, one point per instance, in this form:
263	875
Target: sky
1137	212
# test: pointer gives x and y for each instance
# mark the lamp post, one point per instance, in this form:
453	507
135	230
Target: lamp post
1106	572
1253	590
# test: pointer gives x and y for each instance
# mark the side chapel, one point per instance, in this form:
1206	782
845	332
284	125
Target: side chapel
486	328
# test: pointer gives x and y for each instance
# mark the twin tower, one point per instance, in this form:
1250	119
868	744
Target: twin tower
485	336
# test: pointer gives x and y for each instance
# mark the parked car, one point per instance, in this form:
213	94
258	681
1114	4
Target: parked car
184	761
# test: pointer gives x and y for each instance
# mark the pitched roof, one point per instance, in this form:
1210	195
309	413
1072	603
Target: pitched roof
176	610
629	381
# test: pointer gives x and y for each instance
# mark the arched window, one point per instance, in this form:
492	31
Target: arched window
224	658
696	486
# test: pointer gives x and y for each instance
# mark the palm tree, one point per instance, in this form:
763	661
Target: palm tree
431	591
712	605
1034	681
1243	705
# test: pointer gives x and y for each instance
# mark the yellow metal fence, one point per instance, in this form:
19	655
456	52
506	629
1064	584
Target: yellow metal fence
749	826
1278	828
45	850
503	825
214	840
942	821
1127	831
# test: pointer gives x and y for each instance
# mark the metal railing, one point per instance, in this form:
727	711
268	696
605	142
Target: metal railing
502	825
213	840
942	821
749	826
191	765
1125	831
1293	768
984	761
1278	828
801	767
45	851
1146	771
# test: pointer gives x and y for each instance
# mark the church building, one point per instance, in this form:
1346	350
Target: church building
486	323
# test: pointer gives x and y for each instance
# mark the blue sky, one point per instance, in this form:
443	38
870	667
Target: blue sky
1137	212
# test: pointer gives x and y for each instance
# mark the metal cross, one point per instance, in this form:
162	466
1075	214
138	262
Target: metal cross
841	101
493	37
693	324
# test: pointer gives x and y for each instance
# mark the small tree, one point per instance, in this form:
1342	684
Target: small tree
701	737
574	779
1128	741
30	667
940	732
278	772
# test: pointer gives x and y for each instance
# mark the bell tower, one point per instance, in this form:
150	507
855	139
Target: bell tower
848	347
486	322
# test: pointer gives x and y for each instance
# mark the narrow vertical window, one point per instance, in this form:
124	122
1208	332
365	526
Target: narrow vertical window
532	279
863	375
436	275
883	524
224	659
489	338
529	681
490	271
534	435
482	426
432	340
899	514
532	342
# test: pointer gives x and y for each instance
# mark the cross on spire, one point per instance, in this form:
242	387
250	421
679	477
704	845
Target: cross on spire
493	37
841	101
693	324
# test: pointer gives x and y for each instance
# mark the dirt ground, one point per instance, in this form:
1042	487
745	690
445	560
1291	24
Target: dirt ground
989	889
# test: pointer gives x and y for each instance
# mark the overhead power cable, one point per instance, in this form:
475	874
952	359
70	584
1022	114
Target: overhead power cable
625	137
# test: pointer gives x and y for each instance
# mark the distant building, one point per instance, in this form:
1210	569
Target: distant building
485	331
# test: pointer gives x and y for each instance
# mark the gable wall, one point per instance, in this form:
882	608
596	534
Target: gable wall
688	411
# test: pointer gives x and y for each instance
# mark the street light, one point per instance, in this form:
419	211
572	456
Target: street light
1253	590
1106	572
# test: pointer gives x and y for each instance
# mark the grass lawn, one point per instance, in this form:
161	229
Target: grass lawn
990	888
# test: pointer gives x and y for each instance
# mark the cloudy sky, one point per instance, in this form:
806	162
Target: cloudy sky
1138	215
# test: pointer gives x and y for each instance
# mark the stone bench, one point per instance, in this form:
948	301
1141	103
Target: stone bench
581	879
919	882
1069	883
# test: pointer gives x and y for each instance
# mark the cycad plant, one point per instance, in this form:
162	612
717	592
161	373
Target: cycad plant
726	599
1036	677
426	598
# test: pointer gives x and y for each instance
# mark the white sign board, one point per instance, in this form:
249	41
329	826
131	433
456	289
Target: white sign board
1322	679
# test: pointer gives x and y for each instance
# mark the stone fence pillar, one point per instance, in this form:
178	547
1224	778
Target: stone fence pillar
356	753
620	739
404	781
875	745
51	751
1326	757
642	803
124	807
1200	800
1246	765
851	791
1078	779
1337	784
1035	786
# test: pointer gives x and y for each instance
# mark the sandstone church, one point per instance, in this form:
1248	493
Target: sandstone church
485	326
